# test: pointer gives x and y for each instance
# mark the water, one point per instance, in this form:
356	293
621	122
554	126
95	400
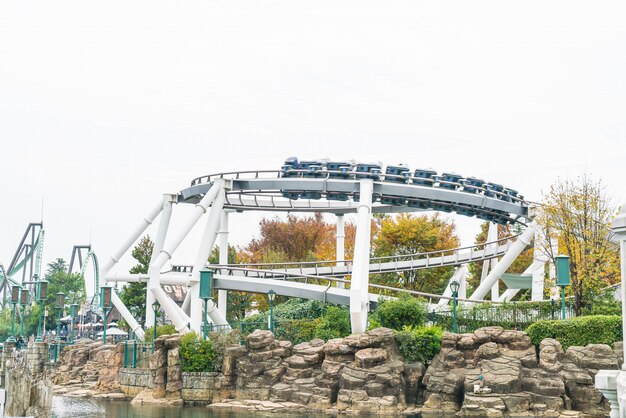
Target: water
63	407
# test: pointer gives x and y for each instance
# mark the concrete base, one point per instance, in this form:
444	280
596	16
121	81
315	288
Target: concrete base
621	393
606	383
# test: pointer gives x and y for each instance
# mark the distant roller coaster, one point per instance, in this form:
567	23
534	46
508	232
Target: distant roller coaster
337	188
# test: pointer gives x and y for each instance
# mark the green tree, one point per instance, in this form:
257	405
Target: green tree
134	294
59	280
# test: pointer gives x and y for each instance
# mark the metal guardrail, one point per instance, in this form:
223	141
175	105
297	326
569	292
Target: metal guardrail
55	349
137	354
511	315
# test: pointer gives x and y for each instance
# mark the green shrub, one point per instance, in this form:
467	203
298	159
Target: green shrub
603	303
292	309
400	312
334	324
419	343
167	329
583	330
297	330
198	355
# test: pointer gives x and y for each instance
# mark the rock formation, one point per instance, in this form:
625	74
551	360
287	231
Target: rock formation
497	373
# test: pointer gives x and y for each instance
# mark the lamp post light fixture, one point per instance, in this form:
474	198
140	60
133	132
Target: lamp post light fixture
106	303
155	309
60	306
562	278
454	286
73	312
271	295
42	294
206	284
24	302
15	299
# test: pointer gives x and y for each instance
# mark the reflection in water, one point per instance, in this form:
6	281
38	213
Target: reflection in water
63	407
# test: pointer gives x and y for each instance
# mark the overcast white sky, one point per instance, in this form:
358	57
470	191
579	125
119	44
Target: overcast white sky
105	105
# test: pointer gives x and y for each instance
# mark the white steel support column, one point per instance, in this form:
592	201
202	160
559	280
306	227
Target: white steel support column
492	236
341	249
612	383
204	250
222	295
359	298
159	240
539	268
117	302
514	251
168	305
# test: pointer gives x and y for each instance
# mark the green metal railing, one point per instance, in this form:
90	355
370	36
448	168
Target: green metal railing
514	315
137	354
55	349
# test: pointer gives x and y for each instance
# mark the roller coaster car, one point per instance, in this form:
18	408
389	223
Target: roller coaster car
449	181
311	169
493	217
289	167
368	171
418	203
424	177
397	174
339	169
513	195
473	185
494	190
443	207
289	170
466	210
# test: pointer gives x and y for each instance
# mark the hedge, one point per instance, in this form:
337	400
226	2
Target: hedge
580	331
419	343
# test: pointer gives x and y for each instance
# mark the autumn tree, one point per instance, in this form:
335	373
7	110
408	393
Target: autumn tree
577	214
410	234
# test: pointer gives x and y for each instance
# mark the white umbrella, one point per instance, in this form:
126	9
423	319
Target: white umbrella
113	331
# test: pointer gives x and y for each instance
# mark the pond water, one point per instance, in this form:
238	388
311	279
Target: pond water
63	407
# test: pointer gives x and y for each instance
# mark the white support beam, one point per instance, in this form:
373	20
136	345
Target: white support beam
168	305
492	236
341	249
359	301
159	240
222	295
514	251
204	250
115	258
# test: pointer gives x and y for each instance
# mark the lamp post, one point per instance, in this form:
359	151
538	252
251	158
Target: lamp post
106	302
454	286
206	283
42	294
73	312
15	299
562	277
60	305
271	295
24	301
155	308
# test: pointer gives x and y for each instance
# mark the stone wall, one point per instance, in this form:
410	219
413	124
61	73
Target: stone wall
512	380
201	387
28	387
354	374
133	381
89	368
